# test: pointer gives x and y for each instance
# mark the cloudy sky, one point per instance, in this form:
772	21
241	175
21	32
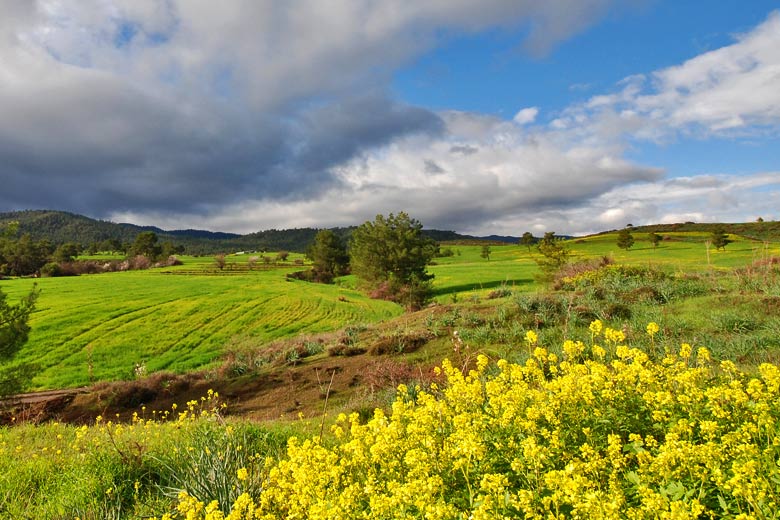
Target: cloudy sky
496	116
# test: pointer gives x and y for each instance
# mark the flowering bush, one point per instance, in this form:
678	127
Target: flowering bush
604	432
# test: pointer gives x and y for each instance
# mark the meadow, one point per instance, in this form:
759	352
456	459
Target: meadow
101	327
106	327
642	387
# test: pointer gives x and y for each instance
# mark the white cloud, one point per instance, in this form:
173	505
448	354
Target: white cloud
728	91
526	115
249	115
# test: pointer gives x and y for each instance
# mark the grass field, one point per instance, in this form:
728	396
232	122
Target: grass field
100	327
680	420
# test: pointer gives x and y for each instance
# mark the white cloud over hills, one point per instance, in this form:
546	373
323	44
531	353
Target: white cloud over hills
242	116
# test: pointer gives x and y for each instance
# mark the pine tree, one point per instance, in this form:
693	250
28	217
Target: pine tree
720	238
625	239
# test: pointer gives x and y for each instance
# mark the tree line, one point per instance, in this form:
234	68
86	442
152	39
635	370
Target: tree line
21	255
58	227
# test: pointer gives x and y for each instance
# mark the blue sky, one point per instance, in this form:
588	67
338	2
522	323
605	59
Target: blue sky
489	73
483	117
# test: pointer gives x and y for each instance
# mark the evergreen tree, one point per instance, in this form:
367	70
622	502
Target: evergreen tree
554	256
625	239
720	238
329	256
389	257
146	245
13	334
654	238
527	240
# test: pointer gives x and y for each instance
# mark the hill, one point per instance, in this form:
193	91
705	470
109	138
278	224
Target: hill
769	230
59	227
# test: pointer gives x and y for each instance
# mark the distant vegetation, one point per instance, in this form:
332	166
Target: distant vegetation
57	227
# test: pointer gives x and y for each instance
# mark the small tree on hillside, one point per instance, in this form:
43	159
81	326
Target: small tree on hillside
485	252
654	238
527	240
719	238
146	245
389	257
22	256
66	252
625	239
554	256
329	256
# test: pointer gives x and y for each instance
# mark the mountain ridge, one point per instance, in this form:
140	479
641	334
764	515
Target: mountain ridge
61	226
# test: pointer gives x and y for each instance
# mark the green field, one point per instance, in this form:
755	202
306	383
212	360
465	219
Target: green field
514	266
99	327
612	419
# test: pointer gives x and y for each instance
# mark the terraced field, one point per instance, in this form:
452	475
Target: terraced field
99	327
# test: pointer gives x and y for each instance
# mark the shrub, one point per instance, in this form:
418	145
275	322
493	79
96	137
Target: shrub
51	270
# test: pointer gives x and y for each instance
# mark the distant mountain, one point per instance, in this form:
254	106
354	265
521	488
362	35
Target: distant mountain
500	238
59	227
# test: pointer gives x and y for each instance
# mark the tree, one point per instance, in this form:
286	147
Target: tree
485	252
66	252
527	240
14	330
554	256
625	239
146	245
22	257
654	238
719	238
329	256
110	245
389	257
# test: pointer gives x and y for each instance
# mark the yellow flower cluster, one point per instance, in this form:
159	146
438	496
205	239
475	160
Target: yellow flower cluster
599	436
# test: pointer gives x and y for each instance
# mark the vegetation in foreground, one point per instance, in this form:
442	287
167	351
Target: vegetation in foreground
624	420
600	430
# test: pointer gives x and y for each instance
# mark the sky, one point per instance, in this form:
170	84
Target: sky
489	117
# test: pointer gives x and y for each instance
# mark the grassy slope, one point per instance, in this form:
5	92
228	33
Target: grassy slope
679	250
113	321
39	479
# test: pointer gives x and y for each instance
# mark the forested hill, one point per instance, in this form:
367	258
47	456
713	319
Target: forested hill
59	227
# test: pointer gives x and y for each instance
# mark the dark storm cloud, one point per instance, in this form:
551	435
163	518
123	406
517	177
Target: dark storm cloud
431	167
191	110
103	147
337	132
